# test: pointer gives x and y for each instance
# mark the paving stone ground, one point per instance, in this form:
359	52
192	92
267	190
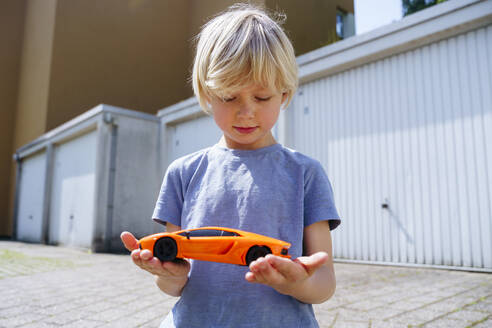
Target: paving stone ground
47	286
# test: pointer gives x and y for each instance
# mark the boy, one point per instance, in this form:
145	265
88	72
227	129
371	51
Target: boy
244	72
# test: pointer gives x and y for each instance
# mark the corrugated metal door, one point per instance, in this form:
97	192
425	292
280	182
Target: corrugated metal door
73	192
31	198
189	136
406	141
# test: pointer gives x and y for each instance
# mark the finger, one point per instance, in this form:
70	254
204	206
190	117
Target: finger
129	241
177	268
250	276
265	273
154	266
255	272
136	257
144	261
148	263
290	270
256	266
313	262
272	276
167	269
146	255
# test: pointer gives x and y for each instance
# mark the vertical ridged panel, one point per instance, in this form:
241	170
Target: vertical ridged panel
405	141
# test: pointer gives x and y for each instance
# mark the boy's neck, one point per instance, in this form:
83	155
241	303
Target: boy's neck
224	143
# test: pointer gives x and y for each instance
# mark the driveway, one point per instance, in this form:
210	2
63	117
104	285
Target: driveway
47	286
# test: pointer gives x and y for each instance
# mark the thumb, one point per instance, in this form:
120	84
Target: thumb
313	262
129	241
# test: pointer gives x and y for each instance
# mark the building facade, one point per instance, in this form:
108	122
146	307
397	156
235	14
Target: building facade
401	120
60	58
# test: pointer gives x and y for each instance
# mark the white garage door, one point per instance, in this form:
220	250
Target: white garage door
193	135
406	142
31	198
73	192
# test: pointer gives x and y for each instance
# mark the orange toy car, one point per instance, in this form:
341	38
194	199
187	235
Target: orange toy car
214	244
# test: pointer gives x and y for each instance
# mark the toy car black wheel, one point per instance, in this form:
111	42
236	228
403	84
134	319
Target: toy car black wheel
165	249
256	252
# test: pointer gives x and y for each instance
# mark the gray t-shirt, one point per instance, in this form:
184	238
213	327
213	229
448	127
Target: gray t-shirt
273	191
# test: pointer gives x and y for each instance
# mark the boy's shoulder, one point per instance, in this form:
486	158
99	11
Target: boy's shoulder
300	158
189	161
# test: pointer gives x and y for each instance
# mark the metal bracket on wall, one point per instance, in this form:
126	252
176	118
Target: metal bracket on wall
108	118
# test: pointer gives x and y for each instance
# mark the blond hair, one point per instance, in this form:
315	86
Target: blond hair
240	46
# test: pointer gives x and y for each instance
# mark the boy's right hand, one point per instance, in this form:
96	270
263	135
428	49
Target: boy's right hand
171	276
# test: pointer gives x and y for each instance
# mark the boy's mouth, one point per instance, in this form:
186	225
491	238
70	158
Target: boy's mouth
245	130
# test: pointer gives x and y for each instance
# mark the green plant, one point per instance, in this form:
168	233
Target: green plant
412	6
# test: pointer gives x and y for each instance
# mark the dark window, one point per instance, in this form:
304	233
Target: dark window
339	25
209	233
229	234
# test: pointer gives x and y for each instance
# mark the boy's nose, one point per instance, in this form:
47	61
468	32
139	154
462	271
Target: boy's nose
246	110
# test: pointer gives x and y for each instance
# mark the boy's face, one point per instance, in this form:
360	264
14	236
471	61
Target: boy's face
247	116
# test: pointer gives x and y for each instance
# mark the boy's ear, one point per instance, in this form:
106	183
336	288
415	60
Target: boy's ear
284	97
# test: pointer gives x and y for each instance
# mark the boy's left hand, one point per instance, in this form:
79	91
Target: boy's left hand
285	275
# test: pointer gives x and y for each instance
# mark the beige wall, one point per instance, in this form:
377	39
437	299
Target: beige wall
310	24
34	79
200	12
12	14
124	53
135	54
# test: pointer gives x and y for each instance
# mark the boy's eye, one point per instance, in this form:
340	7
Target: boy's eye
229	99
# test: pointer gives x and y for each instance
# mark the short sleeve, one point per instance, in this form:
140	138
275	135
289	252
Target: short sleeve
319	204
170	201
